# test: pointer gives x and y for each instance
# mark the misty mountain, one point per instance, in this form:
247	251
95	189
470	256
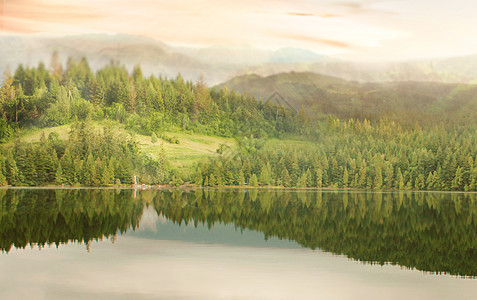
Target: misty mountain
221	63
322	94
216	64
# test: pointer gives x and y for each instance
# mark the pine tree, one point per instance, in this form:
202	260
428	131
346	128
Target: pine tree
457	182
247	169
253	180
301	182
399	180
286	179
3	179
421	182
345	177
265	175
11	171
309	178
125	171
388	175
240	178
30	171
88	171
153	138
430	181
161	173
378	178
59	177
229	177
198	177
212	180
107	177
362	175
319	178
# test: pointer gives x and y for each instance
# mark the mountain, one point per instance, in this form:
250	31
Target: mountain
216	64
154	56
220	63
322	94
451	70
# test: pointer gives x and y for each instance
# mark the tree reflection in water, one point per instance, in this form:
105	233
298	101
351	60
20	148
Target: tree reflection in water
434	232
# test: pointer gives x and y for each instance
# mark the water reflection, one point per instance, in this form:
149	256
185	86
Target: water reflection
46	217
434	232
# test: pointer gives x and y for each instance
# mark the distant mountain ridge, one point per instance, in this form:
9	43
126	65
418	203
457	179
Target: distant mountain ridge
221	63
322	94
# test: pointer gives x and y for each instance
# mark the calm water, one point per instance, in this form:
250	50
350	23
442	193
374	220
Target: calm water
236	244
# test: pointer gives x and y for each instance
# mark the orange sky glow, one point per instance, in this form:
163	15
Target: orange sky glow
367	29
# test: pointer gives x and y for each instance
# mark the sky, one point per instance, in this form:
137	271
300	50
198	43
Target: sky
353	29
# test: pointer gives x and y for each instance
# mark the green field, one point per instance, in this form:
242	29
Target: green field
190	150
183	156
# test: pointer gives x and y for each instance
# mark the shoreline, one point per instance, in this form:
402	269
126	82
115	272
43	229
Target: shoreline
193	187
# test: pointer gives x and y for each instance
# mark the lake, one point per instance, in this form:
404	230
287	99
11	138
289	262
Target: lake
236	244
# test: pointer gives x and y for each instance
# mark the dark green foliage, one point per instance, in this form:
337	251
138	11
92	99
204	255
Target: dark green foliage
90	157
170	139
364	155
253	180
145	105
355	153
54	217
434	232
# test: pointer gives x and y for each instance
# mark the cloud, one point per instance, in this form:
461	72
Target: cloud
311	39
365	7
26	16
299	14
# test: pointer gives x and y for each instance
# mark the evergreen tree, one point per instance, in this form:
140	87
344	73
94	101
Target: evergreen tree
198	177
60	177
107	177
162	169
345	177
240	178
11	171
301	182
153	138
266	175
319	178
253	180
378	178
287	182
212	181
399	180
362	175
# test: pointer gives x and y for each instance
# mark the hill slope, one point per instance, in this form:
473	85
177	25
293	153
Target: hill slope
321	94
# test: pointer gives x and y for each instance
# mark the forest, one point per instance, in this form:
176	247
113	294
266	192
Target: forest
274	146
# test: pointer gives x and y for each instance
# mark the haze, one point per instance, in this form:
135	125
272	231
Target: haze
356	30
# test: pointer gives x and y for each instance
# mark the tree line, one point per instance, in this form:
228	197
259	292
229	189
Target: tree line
90	156
438	235
59	95
355	154
348	153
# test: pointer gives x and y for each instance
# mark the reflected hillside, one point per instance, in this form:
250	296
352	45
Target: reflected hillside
432	232
46	217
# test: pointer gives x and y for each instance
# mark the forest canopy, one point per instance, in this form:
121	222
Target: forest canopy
274	146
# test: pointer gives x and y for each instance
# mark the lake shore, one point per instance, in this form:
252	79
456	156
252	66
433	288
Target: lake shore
194	187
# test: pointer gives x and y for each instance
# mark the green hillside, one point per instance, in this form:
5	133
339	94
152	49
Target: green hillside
183	156
321	95
113	127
